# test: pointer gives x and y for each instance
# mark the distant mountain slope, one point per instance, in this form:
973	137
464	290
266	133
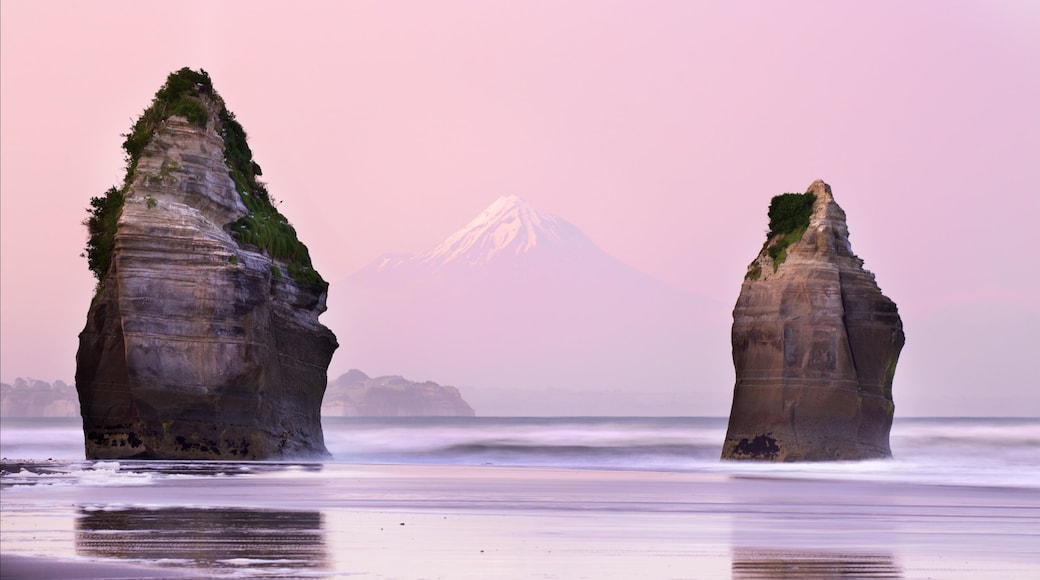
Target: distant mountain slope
519	306
508	229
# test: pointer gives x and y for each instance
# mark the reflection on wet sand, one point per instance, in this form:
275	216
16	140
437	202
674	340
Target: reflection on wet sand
206	538
762	564
32	472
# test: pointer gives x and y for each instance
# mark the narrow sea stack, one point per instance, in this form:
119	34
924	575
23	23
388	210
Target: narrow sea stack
203	340
815	343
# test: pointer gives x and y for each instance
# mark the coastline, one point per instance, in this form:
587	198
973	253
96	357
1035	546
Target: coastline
18	567
377	521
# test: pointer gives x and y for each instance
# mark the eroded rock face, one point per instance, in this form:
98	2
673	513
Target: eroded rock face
197	347
815	345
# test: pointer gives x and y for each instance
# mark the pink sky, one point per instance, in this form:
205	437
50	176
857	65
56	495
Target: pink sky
661	129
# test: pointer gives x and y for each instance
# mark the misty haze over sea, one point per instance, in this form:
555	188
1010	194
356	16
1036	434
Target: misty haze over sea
1003	452
528	317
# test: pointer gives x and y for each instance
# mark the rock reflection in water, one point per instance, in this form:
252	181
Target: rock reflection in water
769	564
206	538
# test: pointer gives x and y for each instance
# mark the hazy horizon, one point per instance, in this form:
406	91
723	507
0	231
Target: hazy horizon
660	130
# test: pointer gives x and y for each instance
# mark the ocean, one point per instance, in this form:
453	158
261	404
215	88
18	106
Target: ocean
937	451
548	497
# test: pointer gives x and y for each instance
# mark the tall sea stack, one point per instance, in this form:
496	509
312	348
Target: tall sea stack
203	340
815	343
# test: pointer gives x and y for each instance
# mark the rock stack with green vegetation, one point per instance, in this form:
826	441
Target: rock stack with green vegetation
788	219
190	95
203	338
815	343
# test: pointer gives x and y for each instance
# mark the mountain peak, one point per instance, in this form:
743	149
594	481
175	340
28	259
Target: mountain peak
505	208
505	202
509	225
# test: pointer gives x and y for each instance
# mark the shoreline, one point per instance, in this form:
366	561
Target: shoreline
329	520
35	567
548	498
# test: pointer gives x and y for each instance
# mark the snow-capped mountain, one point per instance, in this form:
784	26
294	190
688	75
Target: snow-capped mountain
508	227
520	302
509	232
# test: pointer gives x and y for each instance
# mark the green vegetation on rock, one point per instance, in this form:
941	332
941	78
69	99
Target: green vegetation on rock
789	215
180	95
190	94
754	271
101	225
890	373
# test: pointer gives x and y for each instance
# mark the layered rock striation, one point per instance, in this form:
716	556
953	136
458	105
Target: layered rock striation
815	343
203	341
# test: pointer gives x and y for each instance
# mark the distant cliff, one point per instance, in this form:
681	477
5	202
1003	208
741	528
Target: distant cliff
355	394
33	398
815	343
203	340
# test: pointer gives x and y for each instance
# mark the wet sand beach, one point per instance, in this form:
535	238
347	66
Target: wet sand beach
374	521
41	568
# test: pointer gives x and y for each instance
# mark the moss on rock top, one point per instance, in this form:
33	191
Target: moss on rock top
190	94
789	215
